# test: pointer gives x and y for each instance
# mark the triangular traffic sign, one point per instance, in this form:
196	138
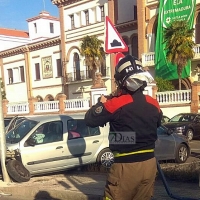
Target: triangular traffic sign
114	42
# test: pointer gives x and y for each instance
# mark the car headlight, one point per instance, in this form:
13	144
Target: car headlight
179	130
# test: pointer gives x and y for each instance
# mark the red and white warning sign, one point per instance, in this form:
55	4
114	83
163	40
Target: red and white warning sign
114	42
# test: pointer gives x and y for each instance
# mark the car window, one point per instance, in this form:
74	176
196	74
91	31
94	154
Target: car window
182	118
22	129
197	117
7	121
48	132
78	128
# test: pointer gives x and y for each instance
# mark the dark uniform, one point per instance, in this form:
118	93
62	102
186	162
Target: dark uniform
134	118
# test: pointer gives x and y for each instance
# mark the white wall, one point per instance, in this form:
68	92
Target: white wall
172	111
17	91
43	29
8	42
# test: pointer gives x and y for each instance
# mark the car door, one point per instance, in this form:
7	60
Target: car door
165	145
48	152
84	147
196	125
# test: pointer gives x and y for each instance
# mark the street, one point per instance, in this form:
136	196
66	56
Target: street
92	183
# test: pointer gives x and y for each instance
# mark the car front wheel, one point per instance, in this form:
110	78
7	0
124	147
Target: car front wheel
189	134
17	171
105	158
181	153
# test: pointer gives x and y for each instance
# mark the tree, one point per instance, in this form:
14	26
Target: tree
179	45
164	85
91	48
3	93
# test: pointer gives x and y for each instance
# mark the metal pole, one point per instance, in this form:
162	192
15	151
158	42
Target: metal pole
6	177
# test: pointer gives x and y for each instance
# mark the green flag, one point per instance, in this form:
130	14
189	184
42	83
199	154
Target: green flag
170	10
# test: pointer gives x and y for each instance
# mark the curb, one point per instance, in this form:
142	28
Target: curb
38	192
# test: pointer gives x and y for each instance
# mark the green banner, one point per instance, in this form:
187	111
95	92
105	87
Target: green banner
170	10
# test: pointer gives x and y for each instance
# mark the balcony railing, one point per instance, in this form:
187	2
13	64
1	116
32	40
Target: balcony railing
174	97
148	59
85	74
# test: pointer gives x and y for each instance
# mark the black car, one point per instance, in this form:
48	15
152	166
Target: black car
187	124
165	119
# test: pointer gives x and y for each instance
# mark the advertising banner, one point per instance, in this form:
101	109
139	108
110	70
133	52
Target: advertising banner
170	10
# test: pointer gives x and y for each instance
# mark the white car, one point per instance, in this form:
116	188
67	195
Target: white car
51	143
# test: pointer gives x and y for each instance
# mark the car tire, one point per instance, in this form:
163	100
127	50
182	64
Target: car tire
181	153
17	171
105	158
190	134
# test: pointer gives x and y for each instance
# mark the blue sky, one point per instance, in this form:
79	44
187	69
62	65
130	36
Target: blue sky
14	13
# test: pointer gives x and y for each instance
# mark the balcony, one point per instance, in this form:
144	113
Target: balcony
148	59
84	75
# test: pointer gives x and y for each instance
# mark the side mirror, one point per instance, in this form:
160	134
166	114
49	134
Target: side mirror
31	142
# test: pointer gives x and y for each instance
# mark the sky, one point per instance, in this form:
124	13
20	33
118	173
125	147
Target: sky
14	13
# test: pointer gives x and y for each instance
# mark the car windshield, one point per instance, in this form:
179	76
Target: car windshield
182	118
17	133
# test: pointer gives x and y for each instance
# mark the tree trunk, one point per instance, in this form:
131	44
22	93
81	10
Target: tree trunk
93	74
179	83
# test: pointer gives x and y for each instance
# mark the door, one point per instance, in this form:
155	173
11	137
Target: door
47	154
165	145
83	145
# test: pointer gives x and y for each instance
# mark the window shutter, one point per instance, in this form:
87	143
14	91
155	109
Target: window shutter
59	67
37	71
22	73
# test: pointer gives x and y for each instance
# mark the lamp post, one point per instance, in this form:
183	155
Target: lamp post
6	177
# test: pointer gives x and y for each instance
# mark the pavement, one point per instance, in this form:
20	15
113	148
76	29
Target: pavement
77	185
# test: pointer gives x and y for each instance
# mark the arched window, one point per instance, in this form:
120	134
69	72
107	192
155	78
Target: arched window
39	98
49	98
134	44
76	66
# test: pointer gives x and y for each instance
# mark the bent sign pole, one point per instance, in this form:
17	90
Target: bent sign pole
6	177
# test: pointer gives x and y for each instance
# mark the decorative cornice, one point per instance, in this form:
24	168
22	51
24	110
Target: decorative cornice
64	2
30	47
153	6
126	25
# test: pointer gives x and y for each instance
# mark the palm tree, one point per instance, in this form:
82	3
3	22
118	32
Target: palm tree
179	45
91	48
3	93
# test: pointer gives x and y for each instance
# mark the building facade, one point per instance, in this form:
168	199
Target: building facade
51	64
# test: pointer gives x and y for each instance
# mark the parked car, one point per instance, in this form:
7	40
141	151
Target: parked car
187	124
44	144
171	146
165	119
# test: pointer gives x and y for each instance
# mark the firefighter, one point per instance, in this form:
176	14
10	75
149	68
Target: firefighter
134	118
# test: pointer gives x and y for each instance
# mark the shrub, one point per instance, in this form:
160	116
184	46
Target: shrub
187	172
164	85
